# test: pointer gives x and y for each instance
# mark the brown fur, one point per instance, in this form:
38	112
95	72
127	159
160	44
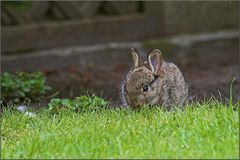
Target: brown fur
166	84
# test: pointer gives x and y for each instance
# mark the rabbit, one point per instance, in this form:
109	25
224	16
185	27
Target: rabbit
154	82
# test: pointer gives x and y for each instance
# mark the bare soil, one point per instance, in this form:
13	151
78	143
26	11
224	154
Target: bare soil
209	68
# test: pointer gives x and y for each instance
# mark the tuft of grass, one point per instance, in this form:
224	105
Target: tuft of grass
208	130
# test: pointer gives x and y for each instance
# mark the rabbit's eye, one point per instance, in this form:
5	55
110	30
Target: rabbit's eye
145	88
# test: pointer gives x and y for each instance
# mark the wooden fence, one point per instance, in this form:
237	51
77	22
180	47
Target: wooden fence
57	24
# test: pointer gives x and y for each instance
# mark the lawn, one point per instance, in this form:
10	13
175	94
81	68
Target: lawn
208	130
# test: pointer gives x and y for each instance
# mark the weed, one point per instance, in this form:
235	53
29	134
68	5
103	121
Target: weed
81	103
16	88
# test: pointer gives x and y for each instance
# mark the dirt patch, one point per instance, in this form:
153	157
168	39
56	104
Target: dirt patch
209	68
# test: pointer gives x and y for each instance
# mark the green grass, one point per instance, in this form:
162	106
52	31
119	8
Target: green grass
210	130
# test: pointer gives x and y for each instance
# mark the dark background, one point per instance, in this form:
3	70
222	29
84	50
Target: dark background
85	46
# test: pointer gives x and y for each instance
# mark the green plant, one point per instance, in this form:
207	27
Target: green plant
21	86
18	5
81	103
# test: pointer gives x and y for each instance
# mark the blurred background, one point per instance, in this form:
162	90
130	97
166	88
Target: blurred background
84	46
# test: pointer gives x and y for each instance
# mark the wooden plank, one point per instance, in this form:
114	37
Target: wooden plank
66	33
89	9
125	7
56	12
38	10
75	9
70	8
154	10
5	17
19	16
30	15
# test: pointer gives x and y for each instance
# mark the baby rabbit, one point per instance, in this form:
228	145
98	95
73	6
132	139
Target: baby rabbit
154	82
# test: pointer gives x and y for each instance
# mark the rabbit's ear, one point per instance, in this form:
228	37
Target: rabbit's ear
155	60
137	59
